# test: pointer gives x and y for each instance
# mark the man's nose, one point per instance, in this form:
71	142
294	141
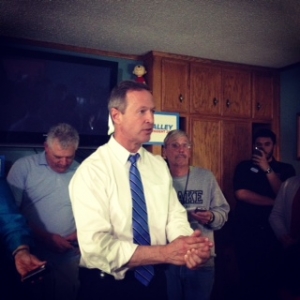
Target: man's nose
63	161
181	148
150	117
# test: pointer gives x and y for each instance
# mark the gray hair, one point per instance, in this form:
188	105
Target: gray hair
118	95
65	134
176	133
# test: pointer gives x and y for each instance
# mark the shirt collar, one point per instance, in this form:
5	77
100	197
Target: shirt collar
120	152
42	158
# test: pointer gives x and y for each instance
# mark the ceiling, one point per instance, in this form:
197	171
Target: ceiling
256	32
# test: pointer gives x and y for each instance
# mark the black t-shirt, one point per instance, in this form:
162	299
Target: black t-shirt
250	177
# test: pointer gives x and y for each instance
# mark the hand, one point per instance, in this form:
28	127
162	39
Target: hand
261	160
203	217
58	243
26	262
193	261
72	238
195	258
191	250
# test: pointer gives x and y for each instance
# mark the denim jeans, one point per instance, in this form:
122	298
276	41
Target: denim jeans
186	284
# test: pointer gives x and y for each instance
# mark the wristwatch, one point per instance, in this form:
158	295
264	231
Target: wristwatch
268	171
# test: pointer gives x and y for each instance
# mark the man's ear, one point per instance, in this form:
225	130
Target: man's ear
116	116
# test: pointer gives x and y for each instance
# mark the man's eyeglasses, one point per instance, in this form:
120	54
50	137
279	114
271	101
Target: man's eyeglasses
176	146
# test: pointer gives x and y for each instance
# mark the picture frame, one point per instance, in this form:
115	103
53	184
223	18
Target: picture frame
298	136
163	123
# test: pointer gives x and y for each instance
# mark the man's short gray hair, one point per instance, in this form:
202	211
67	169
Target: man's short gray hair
118	95
66	135
176	133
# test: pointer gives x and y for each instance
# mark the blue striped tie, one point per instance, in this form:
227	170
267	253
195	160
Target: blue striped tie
140	227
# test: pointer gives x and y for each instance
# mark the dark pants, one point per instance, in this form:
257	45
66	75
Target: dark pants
257	252
93	286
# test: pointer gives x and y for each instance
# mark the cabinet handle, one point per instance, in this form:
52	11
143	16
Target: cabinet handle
215	101
258	106
228	103
181	98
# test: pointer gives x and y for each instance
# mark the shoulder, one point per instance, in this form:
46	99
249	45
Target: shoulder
295	180
94	158
26	162
287	170
96	164
201	172
282	164
156	160
244	165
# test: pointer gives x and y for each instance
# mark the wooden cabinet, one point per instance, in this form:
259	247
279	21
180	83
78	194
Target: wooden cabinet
263	95
175	85
236	93
200	88
197	86
206	89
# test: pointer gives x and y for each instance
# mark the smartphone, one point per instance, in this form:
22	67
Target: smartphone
35	274
200	209
257	151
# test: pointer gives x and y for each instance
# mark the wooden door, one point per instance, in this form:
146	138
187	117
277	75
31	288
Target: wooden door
205	135
263	95
236	146
175	87
236	93
205	89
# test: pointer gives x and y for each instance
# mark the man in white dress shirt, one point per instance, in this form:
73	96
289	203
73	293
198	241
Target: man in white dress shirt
102	205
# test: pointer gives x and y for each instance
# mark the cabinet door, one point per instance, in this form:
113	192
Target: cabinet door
236	93
205	135
263	95
205	90
175	88
236	146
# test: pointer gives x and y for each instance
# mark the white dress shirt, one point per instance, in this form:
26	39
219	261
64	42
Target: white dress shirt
102	206
281	214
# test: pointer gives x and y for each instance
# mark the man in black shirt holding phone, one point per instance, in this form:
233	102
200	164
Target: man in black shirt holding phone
256	184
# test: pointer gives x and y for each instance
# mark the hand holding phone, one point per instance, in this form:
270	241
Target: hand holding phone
35	274
257	151
197	209
200	209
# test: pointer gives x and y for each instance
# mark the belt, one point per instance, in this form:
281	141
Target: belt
97	272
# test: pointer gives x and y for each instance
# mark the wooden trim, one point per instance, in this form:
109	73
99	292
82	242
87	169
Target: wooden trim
207	61
70	48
